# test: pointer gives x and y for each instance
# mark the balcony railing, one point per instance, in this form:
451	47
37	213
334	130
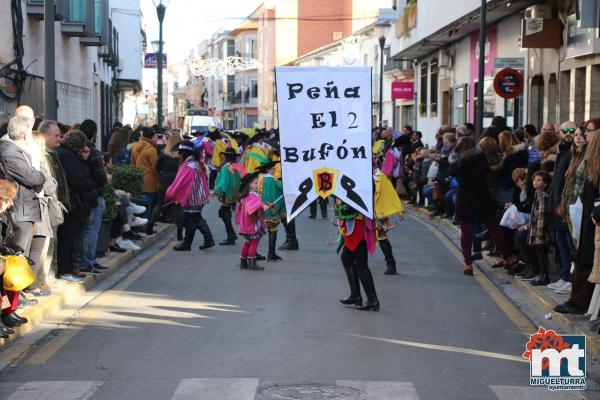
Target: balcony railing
408	20
35	9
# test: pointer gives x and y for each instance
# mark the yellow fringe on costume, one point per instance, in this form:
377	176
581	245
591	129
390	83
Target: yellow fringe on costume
219	147
387	201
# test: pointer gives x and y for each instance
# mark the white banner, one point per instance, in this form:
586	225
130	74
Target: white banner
325	133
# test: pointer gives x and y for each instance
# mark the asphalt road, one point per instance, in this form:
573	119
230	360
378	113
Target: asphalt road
193	326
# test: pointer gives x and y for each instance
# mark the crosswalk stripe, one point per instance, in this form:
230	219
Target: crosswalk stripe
56	390
383	390
533	393
211	389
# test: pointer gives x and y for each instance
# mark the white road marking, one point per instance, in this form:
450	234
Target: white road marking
56	390
383	390
534	393
211	389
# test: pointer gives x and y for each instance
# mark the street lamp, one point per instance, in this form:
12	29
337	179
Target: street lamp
161	8
382	28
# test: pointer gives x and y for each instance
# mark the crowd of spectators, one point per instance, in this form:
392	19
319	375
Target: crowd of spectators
516	193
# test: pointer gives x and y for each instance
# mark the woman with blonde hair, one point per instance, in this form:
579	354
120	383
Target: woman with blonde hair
582	289
167	166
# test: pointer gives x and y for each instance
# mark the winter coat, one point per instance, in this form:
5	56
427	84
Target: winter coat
250	215
123	157
83	188
538	233
585	254
167	168
146	158
473	197
595	275
58	173
563	160
512	162
496	163
96	165
44	227
16	166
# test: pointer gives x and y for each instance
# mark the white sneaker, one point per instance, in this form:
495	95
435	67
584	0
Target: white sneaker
559	283
564	289
137	209
128	245
138	222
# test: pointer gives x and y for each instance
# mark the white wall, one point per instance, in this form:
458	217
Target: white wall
126	18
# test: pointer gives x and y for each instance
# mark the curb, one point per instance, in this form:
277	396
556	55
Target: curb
500	279
63	296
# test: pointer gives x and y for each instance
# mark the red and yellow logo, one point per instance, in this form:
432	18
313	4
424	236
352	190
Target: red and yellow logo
325	179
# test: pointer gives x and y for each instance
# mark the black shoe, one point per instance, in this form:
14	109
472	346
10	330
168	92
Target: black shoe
243	263
207	245
3	334
567	308
99	267
16	316
182	247
227	242
115	248
539	281
391	269
6	329
11	322
273	258
289	245
131	235
529	276
352	301
253	266
517	269
260	257
149	230
89	271
477	257
369	306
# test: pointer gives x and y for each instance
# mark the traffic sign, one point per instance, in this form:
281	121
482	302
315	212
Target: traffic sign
508	83
515	63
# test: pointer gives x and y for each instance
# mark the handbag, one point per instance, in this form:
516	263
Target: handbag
17	274
56	211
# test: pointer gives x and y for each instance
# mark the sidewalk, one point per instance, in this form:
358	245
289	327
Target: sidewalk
544	298
64	293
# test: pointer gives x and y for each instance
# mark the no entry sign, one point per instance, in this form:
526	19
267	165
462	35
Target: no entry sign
508	83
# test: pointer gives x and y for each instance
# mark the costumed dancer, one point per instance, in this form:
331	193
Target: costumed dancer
387	203
357	241
250	217
220	144
227	187
270	191
190	190
257	151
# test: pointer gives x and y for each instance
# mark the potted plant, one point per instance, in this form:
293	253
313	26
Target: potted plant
129	179
410	12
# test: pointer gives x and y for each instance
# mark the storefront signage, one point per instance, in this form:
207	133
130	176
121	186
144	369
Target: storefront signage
514	63
403	90
508	83
151	60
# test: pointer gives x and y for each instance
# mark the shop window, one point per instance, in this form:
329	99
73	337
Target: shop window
459	102
424	90
433	87
536	101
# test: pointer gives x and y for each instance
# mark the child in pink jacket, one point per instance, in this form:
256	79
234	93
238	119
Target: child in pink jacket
251	219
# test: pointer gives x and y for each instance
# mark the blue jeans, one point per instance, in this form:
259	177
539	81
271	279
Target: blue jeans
565	245
150	199
85	250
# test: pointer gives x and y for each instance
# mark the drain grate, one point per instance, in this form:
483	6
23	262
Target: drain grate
309	391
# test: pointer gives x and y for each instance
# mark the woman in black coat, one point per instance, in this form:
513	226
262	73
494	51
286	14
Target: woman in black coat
73	153
474	202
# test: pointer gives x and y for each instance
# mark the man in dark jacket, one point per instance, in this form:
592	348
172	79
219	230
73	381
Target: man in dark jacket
85	260
17	167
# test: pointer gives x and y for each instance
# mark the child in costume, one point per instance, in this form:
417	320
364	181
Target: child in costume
258	151
190	190
227	189
387	203
250	217
270	191
357	241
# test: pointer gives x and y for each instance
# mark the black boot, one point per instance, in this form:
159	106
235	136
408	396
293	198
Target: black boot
5	329
205	230
225	215
291	242
260	257
186	245
323	205
369	286
390	262
10	321
355	298
253	266
272	256
243	263
179	234
149	229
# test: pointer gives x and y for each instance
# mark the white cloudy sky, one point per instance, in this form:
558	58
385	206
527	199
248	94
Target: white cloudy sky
189	22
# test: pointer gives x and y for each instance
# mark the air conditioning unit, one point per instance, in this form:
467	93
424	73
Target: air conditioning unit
539	11
445	59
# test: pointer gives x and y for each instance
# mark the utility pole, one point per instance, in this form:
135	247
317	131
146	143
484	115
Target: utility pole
49	61
480	83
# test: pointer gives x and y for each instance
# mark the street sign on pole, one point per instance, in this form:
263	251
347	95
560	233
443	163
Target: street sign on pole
508	83
514	63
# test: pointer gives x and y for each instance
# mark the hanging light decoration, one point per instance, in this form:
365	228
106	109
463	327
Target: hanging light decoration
217	68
